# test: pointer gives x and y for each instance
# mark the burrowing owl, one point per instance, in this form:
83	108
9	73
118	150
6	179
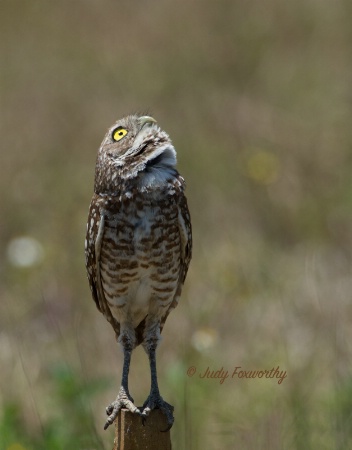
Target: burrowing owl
138	244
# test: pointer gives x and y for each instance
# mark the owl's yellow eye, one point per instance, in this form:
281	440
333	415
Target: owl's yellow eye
119	133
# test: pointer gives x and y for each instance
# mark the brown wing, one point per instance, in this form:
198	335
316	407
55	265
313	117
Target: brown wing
95	233
185	229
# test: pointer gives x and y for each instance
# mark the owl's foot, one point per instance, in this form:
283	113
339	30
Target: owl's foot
155	401
123	400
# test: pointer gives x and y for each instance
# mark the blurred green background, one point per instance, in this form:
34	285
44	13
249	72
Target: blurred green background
257	99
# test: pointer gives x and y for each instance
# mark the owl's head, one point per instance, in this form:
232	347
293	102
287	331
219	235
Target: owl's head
135	147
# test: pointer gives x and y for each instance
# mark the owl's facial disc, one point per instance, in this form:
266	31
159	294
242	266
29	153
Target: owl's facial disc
139	144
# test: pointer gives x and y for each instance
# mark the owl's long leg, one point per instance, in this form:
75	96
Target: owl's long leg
123	400
155	401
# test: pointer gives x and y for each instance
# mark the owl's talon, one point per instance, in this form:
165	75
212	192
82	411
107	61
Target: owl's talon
109	409
155	401
167	428
145	413
123	400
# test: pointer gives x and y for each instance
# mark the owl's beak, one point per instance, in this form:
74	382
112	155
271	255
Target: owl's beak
146	120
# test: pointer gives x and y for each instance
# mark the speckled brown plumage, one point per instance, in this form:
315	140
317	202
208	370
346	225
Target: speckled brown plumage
138	244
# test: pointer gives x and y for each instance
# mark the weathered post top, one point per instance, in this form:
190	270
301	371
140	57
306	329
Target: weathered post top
130	434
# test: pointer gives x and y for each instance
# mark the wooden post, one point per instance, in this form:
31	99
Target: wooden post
130	434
